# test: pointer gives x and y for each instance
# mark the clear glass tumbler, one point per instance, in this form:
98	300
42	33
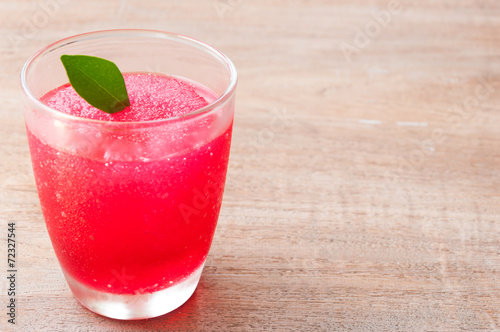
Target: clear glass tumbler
131	207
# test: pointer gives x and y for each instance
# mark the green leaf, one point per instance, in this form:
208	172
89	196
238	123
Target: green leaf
98	81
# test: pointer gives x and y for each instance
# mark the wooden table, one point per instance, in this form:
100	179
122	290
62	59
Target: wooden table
364	186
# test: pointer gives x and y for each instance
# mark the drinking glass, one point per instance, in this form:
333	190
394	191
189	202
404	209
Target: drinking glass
131	207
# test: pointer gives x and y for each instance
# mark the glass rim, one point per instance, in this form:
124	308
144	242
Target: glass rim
217	103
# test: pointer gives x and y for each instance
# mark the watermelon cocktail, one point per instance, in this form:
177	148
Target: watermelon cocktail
131	199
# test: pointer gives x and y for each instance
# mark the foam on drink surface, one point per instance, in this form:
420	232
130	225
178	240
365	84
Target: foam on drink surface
152	97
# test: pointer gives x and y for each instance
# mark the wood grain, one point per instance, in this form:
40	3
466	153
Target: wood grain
363	192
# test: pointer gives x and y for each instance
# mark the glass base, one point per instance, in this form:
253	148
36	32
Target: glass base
140	306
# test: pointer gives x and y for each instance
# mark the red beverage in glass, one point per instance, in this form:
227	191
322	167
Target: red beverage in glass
131	199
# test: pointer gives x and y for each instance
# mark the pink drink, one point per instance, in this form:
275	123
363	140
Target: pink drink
125	222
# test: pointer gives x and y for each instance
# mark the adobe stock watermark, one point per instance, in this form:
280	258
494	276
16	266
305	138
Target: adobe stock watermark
279	121
455	115
371	30
222	7
121	10
121	277
211	191
30	26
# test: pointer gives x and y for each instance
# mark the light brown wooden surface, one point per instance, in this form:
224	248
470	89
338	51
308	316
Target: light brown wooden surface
362	194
